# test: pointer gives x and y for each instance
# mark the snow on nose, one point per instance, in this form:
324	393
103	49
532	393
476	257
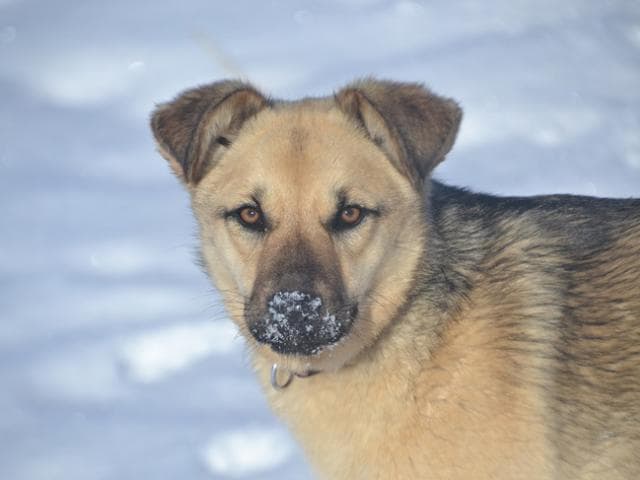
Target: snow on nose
296	322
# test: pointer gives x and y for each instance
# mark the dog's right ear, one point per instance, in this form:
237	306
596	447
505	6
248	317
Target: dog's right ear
194	129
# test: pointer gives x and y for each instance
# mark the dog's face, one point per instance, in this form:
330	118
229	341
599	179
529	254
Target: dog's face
309	233
311	213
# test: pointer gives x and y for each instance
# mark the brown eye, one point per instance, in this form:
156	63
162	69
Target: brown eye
351	215
250	215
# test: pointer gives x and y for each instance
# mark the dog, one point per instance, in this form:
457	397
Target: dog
402	328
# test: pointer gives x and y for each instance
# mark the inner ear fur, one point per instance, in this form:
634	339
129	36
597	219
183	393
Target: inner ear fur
193	130
413	126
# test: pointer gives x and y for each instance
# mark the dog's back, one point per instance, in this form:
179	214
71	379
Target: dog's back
566	274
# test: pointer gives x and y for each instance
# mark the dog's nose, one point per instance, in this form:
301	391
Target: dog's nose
298	323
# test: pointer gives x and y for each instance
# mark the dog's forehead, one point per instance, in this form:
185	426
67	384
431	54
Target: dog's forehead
301	137
304	149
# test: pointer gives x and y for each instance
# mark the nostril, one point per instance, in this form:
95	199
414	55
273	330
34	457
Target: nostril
353	313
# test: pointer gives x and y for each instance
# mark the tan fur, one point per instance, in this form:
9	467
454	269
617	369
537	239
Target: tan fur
299	208
495	339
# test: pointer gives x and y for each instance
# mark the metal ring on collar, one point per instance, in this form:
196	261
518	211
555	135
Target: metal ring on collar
274	378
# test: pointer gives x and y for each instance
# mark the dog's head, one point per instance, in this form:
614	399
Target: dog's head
311	213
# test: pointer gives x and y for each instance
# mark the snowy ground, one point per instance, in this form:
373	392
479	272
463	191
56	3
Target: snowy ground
116	360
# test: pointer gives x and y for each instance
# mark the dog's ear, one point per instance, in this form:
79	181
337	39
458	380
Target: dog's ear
194	129
413	126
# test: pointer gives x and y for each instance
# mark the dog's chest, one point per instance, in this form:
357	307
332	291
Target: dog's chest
447	423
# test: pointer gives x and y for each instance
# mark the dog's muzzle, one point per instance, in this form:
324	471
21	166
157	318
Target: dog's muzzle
298	323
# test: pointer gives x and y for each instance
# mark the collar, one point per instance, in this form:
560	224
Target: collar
288	374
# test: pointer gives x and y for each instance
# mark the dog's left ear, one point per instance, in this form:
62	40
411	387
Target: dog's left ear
413	126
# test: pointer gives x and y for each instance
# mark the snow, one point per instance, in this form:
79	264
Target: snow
151	357
283	304
117	360
291	317
247	452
